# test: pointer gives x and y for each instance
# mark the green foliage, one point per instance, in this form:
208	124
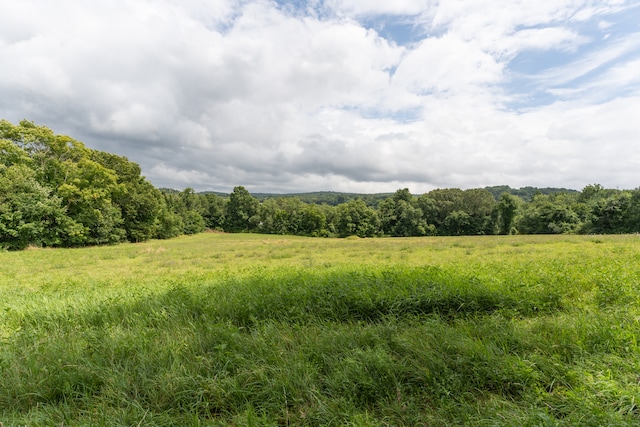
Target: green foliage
480	205
30	214
611	215
313	221
526	193
140	203
548	215
214	208
330	198
355	218
11	154
400	216
440	203
168	224
459	212
93	197
241	211
507	210
280	216
632	216
191	210
86	191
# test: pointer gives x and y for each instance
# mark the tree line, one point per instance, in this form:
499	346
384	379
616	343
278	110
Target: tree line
56	192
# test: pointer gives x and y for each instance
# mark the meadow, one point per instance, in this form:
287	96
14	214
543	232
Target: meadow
257	330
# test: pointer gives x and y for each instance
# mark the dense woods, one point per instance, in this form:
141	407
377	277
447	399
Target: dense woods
54	191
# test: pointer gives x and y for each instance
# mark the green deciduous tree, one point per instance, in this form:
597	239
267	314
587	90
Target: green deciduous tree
214	208
140	203
355	218
456	212
611	215
86	192
633	212
11	155
438	204
241	211
191	211
313	221
169	223
30	214
400	216
480	205
547	214
507	210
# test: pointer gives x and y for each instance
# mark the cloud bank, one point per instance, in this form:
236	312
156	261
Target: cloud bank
327	95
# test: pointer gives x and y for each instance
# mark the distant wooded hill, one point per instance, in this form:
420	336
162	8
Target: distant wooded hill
331	198
526	193
334	198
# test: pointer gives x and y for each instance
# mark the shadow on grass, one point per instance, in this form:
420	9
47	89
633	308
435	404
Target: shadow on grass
402	347
304	297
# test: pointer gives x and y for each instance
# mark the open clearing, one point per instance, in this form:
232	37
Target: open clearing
245	329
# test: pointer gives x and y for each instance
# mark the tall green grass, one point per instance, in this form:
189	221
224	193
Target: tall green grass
216	330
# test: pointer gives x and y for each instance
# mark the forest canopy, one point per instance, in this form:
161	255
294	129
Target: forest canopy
56	192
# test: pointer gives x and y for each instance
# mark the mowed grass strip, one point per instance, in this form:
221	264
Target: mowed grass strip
475	331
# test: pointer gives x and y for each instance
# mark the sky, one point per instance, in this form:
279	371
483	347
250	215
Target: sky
362	96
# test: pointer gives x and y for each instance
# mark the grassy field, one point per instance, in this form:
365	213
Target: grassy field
255	330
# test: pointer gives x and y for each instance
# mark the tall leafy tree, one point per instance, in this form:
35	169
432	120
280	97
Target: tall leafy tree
64	166
30	214
633	212
313	221
401	216
241	211
507	210
456	212
269	218
169	222
548	214
51	154
440	203
140	203
190	209
12	155
611	215
355	218
480	205
86	192
214	208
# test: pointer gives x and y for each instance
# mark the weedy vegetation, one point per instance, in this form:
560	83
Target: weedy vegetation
255	330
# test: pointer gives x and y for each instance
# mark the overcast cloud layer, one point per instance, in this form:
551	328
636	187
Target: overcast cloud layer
343	95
